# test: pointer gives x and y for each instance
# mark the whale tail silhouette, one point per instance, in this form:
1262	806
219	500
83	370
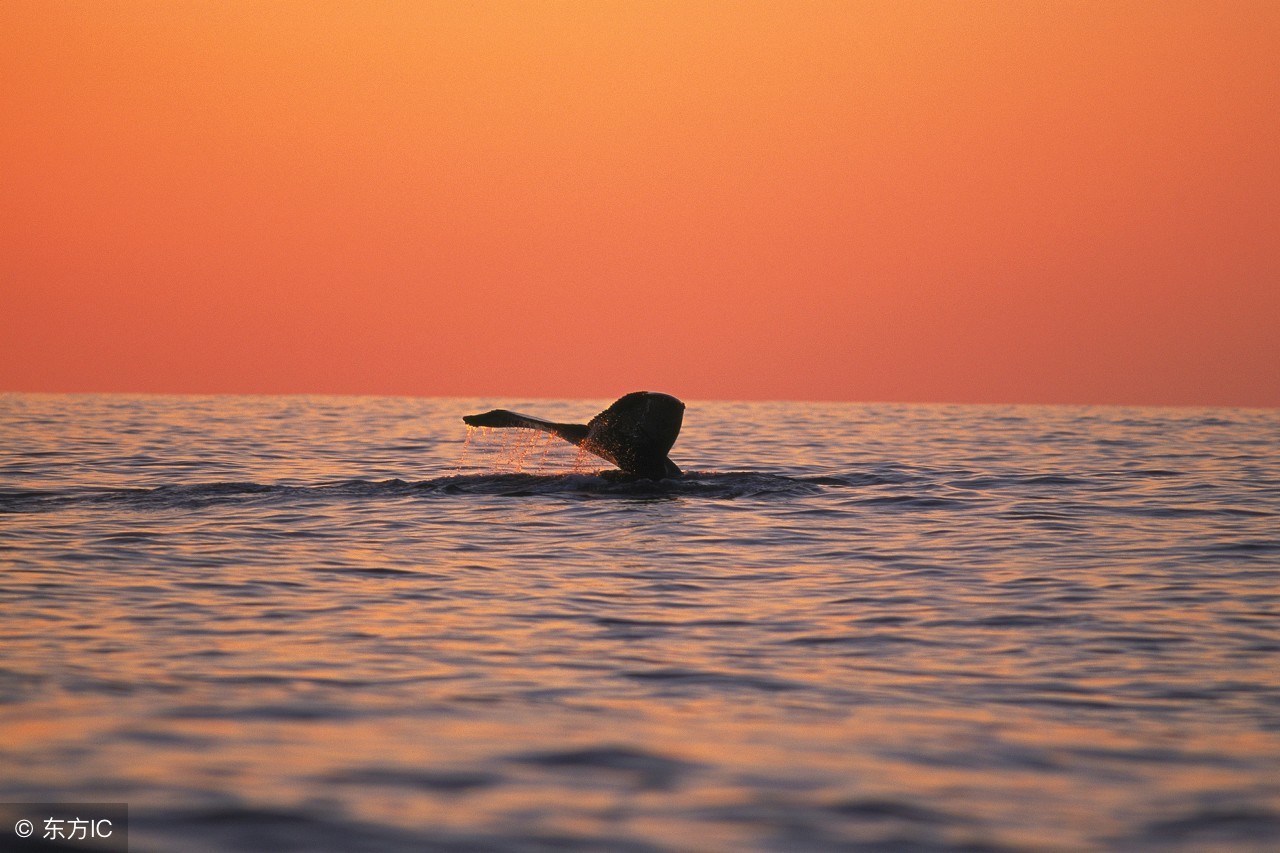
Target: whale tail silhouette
635	433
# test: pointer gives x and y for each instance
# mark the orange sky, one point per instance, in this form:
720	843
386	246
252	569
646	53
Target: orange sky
918	201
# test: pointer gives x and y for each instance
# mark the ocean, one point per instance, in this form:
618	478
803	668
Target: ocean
353	624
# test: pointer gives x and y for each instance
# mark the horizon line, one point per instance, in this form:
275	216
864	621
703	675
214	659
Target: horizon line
593	398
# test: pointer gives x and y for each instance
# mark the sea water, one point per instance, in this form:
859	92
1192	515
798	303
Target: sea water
320	623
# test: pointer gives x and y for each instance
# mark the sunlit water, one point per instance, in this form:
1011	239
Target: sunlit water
334	624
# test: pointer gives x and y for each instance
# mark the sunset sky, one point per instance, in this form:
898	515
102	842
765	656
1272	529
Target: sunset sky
1072	202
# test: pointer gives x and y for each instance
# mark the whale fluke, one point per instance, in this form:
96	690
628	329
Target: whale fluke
635	433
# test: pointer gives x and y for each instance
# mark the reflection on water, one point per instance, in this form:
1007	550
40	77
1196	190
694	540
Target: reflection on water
315	623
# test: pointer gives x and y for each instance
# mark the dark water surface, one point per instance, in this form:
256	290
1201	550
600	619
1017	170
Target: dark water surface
335	624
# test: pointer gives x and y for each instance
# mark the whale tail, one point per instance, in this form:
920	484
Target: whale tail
636	433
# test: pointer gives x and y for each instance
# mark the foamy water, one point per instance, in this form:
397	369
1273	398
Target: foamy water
336	624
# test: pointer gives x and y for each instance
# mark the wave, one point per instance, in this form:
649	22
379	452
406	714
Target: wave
739	484
901	487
